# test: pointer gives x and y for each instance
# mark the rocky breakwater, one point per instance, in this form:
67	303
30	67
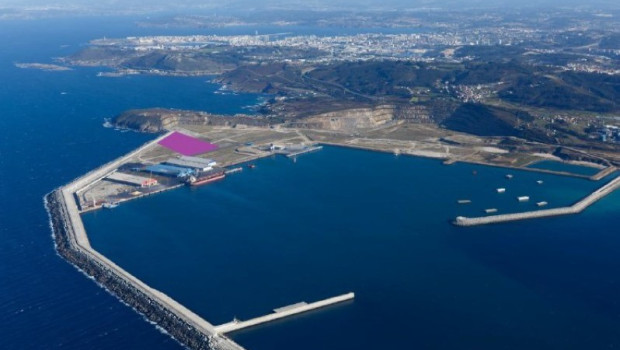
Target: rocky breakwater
144	300
160	119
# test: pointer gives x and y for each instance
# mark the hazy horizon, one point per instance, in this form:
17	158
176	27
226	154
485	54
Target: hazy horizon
119	6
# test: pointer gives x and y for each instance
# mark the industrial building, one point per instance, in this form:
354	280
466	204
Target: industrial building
168	170
133	180
196	163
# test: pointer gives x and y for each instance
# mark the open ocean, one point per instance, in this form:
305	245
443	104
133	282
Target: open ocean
335	221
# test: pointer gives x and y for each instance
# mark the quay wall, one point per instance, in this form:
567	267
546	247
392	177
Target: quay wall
449	161
573	209
72	244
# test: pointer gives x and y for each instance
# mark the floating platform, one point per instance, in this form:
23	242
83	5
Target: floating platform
282	312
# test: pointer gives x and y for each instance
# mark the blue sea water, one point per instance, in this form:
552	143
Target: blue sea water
51	132
336	221
348	220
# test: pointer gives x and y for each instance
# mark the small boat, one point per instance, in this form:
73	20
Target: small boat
463	201
523	198
501	190
475	172
509	176
110	205
541	204
251	166
540	182
490	211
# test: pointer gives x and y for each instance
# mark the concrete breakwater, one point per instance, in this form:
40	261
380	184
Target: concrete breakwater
149	303
72	244
179	329
573	209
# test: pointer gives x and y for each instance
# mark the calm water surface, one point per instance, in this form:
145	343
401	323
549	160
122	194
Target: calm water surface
348	220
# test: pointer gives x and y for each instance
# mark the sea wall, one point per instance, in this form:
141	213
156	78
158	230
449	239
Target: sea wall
139	301
72	244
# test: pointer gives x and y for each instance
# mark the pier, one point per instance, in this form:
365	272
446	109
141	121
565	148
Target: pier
304	151
282	312
573	209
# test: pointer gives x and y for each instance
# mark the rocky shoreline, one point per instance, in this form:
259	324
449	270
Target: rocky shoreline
152	310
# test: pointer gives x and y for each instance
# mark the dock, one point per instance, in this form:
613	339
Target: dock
304	151
573	209
281	313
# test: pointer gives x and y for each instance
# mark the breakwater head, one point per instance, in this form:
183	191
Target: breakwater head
573	209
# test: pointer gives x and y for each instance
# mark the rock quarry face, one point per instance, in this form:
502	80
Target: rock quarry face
351	120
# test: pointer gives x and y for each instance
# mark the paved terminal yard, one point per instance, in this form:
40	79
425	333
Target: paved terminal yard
235	146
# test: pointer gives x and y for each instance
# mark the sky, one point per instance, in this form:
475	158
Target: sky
149	5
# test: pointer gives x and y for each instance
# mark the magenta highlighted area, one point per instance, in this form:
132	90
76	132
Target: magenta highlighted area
186	145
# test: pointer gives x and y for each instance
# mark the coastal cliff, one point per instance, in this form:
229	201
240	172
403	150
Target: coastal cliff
160	119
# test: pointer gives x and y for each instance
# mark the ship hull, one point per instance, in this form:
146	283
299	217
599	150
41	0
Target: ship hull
207	180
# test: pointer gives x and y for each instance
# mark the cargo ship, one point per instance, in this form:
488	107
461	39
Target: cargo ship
206	178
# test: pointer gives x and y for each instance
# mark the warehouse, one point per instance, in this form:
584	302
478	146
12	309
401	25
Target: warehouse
133	180
200	164
168	170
